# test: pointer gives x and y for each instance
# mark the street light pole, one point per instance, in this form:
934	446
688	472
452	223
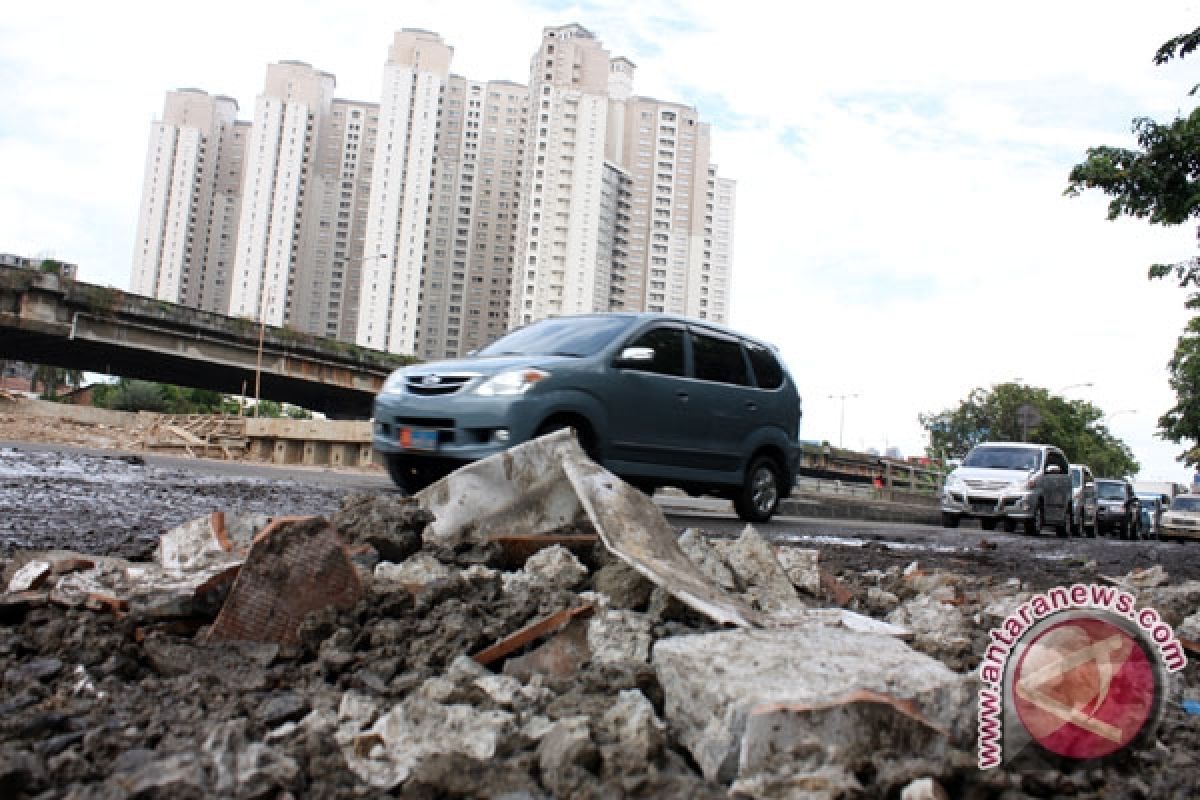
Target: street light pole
842	415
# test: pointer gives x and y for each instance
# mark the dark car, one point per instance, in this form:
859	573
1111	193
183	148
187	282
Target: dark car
1117	508
659	400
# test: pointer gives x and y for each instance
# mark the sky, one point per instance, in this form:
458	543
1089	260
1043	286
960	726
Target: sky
901	232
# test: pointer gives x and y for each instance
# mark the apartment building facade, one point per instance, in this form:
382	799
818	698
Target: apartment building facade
191	201
448	212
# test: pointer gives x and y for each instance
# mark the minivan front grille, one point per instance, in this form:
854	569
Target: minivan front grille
434	383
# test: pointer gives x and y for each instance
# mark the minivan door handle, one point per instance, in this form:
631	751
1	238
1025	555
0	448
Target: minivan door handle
751	405
683	396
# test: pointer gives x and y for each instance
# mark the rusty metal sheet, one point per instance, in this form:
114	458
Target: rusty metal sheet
296	565
530	633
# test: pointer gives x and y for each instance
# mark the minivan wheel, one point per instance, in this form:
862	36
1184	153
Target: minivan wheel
409	479
1033	525
759	497
1064	529
950	520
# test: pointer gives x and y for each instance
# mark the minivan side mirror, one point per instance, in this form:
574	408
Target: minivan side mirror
635	357
1054	469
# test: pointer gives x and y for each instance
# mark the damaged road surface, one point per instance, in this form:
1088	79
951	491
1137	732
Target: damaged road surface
529	627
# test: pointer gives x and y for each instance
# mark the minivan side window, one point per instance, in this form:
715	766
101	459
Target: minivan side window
1057	459
667	344
718	360
766	369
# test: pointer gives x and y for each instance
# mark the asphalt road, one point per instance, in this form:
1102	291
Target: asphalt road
62	496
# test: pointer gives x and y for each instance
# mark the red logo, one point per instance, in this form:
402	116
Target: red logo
1084	688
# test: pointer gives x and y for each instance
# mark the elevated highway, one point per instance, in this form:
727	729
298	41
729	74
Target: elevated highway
51	320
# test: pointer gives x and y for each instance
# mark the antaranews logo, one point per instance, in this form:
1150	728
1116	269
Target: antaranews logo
1077	671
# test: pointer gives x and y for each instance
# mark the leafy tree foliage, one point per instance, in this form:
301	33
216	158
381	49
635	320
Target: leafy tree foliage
1160	182
992	415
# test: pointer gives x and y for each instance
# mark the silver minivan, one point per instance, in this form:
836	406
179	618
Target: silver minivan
1011	482
658	399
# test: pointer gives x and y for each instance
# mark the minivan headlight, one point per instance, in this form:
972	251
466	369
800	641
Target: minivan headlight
394	382
514	381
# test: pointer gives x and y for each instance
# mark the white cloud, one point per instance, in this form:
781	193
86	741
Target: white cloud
901	231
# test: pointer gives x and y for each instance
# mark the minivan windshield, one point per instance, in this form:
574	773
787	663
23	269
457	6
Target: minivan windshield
560	336
1003	458
1110	490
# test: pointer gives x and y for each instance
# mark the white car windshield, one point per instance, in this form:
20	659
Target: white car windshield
1185	504
1003	458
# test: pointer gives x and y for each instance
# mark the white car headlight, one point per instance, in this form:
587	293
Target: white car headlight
514	381
394	382
955	484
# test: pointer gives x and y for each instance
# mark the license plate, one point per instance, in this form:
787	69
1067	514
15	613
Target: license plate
418	439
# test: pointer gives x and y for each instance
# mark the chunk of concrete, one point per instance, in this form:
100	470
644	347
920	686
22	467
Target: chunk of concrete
618	635
633	723
1173	603
418	729
30	576
556	568
754	563
801	567
741	699
939	628
708	559
297	565
418	570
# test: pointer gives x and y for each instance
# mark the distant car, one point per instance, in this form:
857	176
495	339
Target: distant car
1010	482
1083	499
1182	519
1151	509
1117	508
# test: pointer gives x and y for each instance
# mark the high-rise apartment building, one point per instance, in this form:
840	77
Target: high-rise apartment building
557	254
191	198
474	217
279	220
447	213
394	250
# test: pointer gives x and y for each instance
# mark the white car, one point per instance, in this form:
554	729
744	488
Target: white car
1182	519
1011	482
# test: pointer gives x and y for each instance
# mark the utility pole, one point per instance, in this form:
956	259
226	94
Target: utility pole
842	414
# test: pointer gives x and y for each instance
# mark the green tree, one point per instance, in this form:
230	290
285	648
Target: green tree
1160	182
993	415
51	378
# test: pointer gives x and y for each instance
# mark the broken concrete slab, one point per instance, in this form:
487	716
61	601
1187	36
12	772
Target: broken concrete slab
712	705
296	565
634	529
632	722
521	489
205	542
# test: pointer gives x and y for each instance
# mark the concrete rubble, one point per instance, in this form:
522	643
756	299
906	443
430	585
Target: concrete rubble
529	627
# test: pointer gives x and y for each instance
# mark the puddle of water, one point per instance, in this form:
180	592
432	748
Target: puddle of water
846	541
